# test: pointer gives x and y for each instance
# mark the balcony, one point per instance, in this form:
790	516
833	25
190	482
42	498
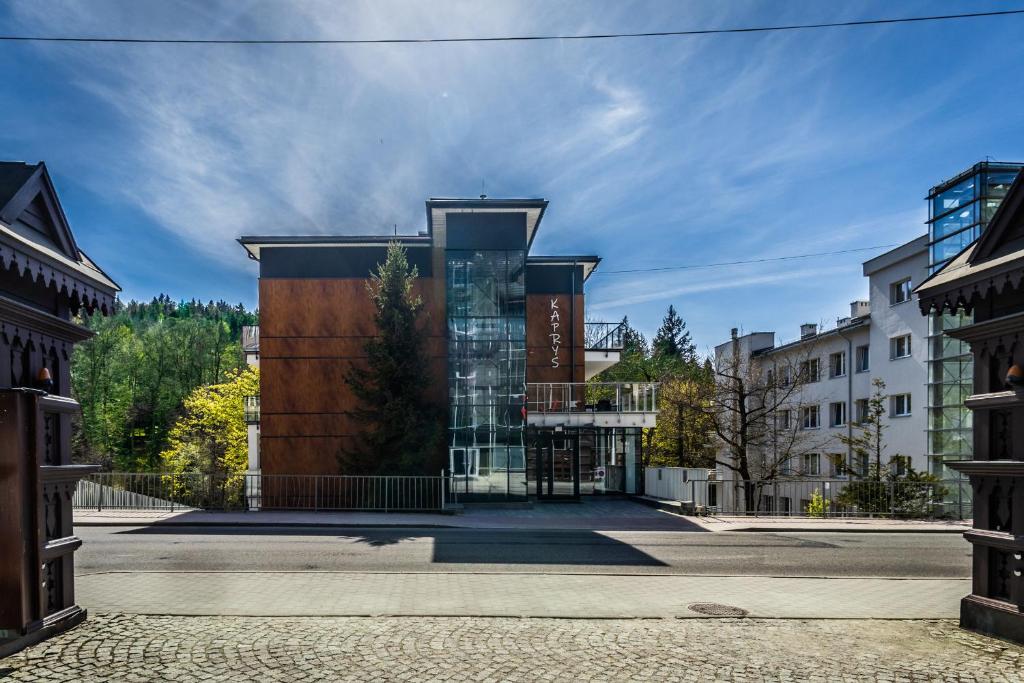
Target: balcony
603	344
595	404
251	408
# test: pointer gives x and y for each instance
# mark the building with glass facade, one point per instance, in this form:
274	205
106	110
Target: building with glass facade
510	356
959	209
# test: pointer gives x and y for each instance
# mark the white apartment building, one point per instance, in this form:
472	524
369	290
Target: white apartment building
883	337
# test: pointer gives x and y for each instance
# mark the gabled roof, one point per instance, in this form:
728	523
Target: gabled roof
995	260
26	191
35	237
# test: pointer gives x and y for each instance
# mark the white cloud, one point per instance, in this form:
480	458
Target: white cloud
657	288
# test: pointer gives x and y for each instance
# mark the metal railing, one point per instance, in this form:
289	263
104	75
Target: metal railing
155	491
812	496
604	336
251	408
593	397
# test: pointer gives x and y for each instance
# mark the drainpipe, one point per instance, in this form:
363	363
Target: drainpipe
849	398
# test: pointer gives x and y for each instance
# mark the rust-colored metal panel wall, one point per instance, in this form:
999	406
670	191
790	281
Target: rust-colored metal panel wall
311	333
541	323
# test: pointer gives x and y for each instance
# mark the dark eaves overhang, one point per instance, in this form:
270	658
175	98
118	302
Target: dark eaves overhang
534	208
589	262
254	243
81	280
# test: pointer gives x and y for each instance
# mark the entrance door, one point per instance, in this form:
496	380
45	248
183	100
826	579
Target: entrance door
555	461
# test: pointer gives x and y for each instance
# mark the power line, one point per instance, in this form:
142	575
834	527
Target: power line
739	263
493	39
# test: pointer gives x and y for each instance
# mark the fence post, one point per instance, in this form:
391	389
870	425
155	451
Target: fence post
441	481
316	493
892	499
99	498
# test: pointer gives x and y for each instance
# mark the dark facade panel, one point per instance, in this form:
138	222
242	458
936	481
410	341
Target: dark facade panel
553	279
486	230
331	262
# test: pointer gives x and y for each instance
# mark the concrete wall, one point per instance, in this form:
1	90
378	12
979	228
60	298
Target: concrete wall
905	435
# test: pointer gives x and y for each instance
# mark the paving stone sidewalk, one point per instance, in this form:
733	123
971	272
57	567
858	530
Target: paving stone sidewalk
518	595
129	648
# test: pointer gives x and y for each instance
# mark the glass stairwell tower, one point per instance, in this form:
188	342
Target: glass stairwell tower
959	209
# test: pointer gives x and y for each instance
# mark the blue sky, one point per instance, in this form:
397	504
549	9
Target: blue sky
652	152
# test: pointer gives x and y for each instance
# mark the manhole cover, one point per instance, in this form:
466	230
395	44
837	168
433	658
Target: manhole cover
713	609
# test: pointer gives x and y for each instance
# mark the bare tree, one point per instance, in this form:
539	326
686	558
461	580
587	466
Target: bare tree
754	410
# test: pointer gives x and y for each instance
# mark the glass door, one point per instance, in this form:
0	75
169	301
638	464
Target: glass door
554	465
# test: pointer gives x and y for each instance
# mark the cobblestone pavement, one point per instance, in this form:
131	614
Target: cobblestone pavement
116	647
512	595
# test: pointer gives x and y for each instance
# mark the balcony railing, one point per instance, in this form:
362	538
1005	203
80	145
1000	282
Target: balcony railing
604	336
593	397
251	408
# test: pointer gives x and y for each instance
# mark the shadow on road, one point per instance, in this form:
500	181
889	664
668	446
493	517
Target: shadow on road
457	546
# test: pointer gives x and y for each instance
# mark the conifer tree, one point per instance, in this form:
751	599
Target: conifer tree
673	339
401	427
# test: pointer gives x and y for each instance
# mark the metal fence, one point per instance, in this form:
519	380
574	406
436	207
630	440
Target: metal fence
155	491
601	397
813	497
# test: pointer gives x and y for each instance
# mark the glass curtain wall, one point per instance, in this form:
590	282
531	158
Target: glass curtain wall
959	211
486	302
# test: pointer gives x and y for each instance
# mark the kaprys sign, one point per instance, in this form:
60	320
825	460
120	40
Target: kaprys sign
555	336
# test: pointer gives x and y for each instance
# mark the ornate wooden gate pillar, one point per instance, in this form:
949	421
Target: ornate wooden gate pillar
987	280
37	579
45	280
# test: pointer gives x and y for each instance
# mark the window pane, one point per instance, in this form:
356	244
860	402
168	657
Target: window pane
958	195
954	222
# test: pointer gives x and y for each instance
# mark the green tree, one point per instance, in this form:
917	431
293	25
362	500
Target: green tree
683	436
210	437
133	375
673	339
402	426
867	442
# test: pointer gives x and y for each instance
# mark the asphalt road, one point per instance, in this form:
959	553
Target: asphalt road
277	549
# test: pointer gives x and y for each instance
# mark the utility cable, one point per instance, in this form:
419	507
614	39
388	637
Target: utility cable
739	263
493	39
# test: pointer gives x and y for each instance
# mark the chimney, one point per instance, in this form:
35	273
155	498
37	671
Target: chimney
808	330
859	309
733	333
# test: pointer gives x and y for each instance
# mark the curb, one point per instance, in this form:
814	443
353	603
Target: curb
677	508
848	530
292	525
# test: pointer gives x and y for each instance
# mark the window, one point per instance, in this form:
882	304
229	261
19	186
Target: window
837	462
810	464
899	464
837	364
769	377
809	371
860	410
785	420
809	417
863	358
787	375
900	291
899	347
837	414
900	405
